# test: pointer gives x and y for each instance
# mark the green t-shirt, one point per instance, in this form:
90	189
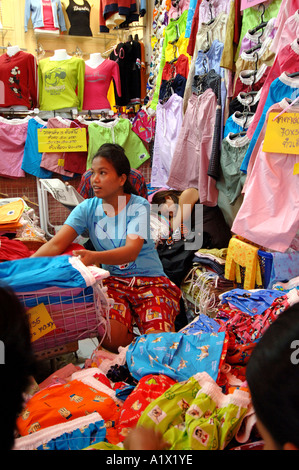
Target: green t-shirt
61	83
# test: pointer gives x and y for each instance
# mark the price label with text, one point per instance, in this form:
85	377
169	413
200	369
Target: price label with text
62	140
40	322
282	134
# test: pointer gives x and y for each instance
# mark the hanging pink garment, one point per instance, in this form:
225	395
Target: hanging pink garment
194	147
269	215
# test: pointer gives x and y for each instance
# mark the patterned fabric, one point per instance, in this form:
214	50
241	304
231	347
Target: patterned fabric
196	415
136	179
243	254
176	355
152	302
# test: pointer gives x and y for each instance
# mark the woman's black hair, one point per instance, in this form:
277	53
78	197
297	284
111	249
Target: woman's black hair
160	196
115	154
272	375
17	365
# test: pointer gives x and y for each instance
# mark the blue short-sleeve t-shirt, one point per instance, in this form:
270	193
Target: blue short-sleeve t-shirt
107	233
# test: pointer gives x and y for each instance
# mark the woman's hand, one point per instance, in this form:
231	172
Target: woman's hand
145	439
86	256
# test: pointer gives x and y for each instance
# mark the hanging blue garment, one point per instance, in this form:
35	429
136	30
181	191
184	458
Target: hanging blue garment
32	157
176	355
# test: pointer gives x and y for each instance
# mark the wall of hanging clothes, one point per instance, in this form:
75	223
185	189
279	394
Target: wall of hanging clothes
216	72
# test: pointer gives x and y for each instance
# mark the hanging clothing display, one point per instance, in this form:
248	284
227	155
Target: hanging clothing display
18	80
61	83
96	85
34	11
118	131
79	17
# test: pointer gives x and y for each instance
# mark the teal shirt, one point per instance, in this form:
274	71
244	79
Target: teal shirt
107	233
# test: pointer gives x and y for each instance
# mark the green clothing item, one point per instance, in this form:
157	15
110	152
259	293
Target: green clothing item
172	32
252	17
118	132
196	415
61	83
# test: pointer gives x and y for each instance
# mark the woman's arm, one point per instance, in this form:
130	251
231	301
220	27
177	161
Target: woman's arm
117	256
187	201
58	244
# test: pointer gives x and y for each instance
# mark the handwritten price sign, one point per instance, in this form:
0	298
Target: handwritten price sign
282	135
62	140
40	322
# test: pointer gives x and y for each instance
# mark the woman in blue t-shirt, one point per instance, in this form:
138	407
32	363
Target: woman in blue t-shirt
118	222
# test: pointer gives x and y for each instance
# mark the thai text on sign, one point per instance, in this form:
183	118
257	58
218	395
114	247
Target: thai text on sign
282	134
62	140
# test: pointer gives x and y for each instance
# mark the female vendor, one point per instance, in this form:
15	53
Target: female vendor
119	228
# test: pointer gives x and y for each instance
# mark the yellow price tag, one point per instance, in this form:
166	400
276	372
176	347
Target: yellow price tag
296	169
282	134
62	140
40	322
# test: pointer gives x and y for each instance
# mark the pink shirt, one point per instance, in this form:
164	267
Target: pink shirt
48	16
96	85
289	33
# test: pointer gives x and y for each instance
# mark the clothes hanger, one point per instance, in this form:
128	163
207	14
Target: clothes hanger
262	24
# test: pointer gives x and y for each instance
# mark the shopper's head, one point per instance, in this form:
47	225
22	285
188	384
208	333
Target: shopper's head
16	364
273	378
116	162
166	202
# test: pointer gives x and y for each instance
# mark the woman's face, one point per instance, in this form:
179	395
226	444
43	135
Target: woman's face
105	181
169	208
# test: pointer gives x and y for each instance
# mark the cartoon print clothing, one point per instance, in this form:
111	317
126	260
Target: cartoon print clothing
18	80
64	402
196	415
147	390
176	355
152	303
61	83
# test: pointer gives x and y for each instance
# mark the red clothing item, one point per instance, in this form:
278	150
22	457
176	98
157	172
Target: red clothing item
18	80
285	61
75	162
171	69
194	29
96	85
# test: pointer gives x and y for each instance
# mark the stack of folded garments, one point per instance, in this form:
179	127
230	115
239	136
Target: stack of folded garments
10	215
205	281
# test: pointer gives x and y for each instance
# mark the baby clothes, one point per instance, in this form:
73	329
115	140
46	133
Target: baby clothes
54	161
240	253
271	225
196	415
119	132
194	148
32	158
13	133
177	355
169	118
232	153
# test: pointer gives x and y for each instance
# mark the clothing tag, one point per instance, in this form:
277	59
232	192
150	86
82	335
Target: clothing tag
60	162
40	322
296	169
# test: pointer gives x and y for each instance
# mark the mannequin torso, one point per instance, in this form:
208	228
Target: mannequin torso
94	60
12	50
60	54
